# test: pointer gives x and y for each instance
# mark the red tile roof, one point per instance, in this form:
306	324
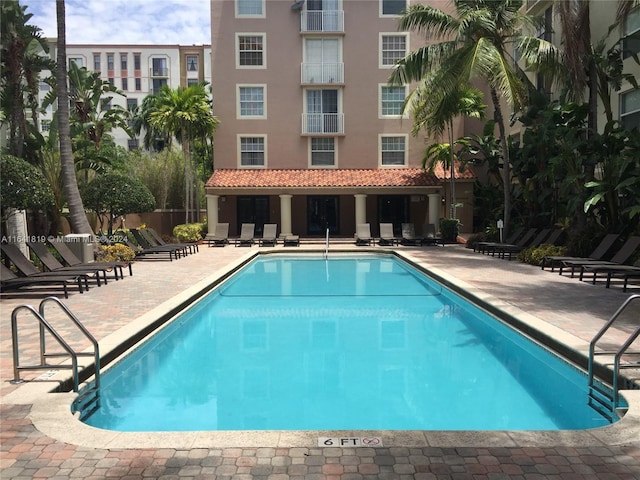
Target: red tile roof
294	178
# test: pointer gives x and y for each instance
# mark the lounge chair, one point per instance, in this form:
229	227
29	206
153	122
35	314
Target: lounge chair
52	264
387	237
269	235
10	281
148	247
221	236
429	236
363	234
70	259
599	252
624	272
247	233
496	247
409	236
192	247
29	270
151	253
511	250
594	266
291	241
144	238
482	246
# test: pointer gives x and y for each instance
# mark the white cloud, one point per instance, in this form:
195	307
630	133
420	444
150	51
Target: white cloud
182	22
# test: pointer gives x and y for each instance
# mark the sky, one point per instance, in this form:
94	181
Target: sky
142	22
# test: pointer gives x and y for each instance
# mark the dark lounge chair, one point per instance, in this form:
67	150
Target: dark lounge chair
429	236
192	247
409	236
482	246
148	248
363	234
52	264
151	253
10	281
220	237
493	248
144	238
387	237
594	266
247	232
70	259
269	235
623	272
597	254
508	251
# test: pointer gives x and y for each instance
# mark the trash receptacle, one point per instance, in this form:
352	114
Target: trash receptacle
81	245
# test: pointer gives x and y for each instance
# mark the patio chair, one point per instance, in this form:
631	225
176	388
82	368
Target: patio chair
409	236
508	251
482	246
597	254
52	264
493	248
70	259
595	266
269	235
363	234
291	241
387	237
11	281
429	236
148	247
624	272
151	253
27	269
191	247
221	236
247	233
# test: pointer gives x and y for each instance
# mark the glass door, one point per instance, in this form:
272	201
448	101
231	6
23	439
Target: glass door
253	210
322	212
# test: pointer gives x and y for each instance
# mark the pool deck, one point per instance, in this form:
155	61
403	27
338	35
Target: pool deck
41	439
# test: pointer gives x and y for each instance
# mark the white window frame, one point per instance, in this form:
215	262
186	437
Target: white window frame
97	62
381	51
380	105
239	115
250	15
189	56
406	147
335	153
240	136
389	15
264	49
622	113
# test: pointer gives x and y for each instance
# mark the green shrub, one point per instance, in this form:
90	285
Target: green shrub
534	255
449	229
115	253
190	232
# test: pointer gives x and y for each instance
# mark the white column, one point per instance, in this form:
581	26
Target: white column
361	208
434	209
285	215
212	213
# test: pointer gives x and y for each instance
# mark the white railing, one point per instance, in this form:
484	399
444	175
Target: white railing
322	72
322	21
323	123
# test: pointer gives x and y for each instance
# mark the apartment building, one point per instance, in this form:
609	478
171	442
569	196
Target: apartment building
311	135
137	70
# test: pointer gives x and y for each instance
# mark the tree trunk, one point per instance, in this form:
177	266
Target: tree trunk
77	217
506	167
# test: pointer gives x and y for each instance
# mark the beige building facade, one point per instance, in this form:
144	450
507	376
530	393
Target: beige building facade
311	134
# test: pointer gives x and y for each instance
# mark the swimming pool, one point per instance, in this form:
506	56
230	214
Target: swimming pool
345	343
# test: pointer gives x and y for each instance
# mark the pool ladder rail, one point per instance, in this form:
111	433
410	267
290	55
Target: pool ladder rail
603	399
89	400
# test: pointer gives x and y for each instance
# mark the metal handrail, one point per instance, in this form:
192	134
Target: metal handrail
619	352
44	325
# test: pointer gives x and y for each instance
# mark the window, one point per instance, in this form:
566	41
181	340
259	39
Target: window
392	150
192	63
251	51
249	8
44	87
77	60
159	67
192	81
251	101
125	84
132	104
157	84
96	62
323	152
392	48
392	7
630	109
252	151
133	144
322	112
110	61
46	125
136	61
631	40
123	62
322	60
391	101
111	80
106	105
138	84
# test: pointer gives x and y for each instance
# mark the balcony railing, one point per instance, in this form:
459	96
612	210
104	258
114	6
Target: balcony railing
159	72
322	73
321	123
322	21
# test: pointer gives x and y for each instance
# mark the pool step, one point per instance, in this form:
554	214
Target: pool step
601	400
87	403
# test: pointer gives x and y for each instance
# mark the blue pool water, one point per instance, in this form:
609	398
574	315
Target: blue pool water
359	343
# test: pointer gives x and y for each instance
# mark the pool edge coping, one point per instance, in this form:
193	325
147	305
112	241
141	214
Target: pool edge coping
51	413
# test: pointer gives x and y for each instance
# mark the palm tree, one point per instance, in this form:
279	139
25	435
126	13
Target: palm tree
77	217
478	43
186	114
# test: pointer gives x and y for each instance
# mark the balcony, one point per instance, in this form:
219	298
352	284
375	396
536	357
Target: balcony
159	72
330	21
323	123
321	73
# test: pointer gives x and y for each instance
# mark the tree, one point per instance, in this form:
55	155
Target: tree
77	217
117	194
186	114
22	186
478	43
